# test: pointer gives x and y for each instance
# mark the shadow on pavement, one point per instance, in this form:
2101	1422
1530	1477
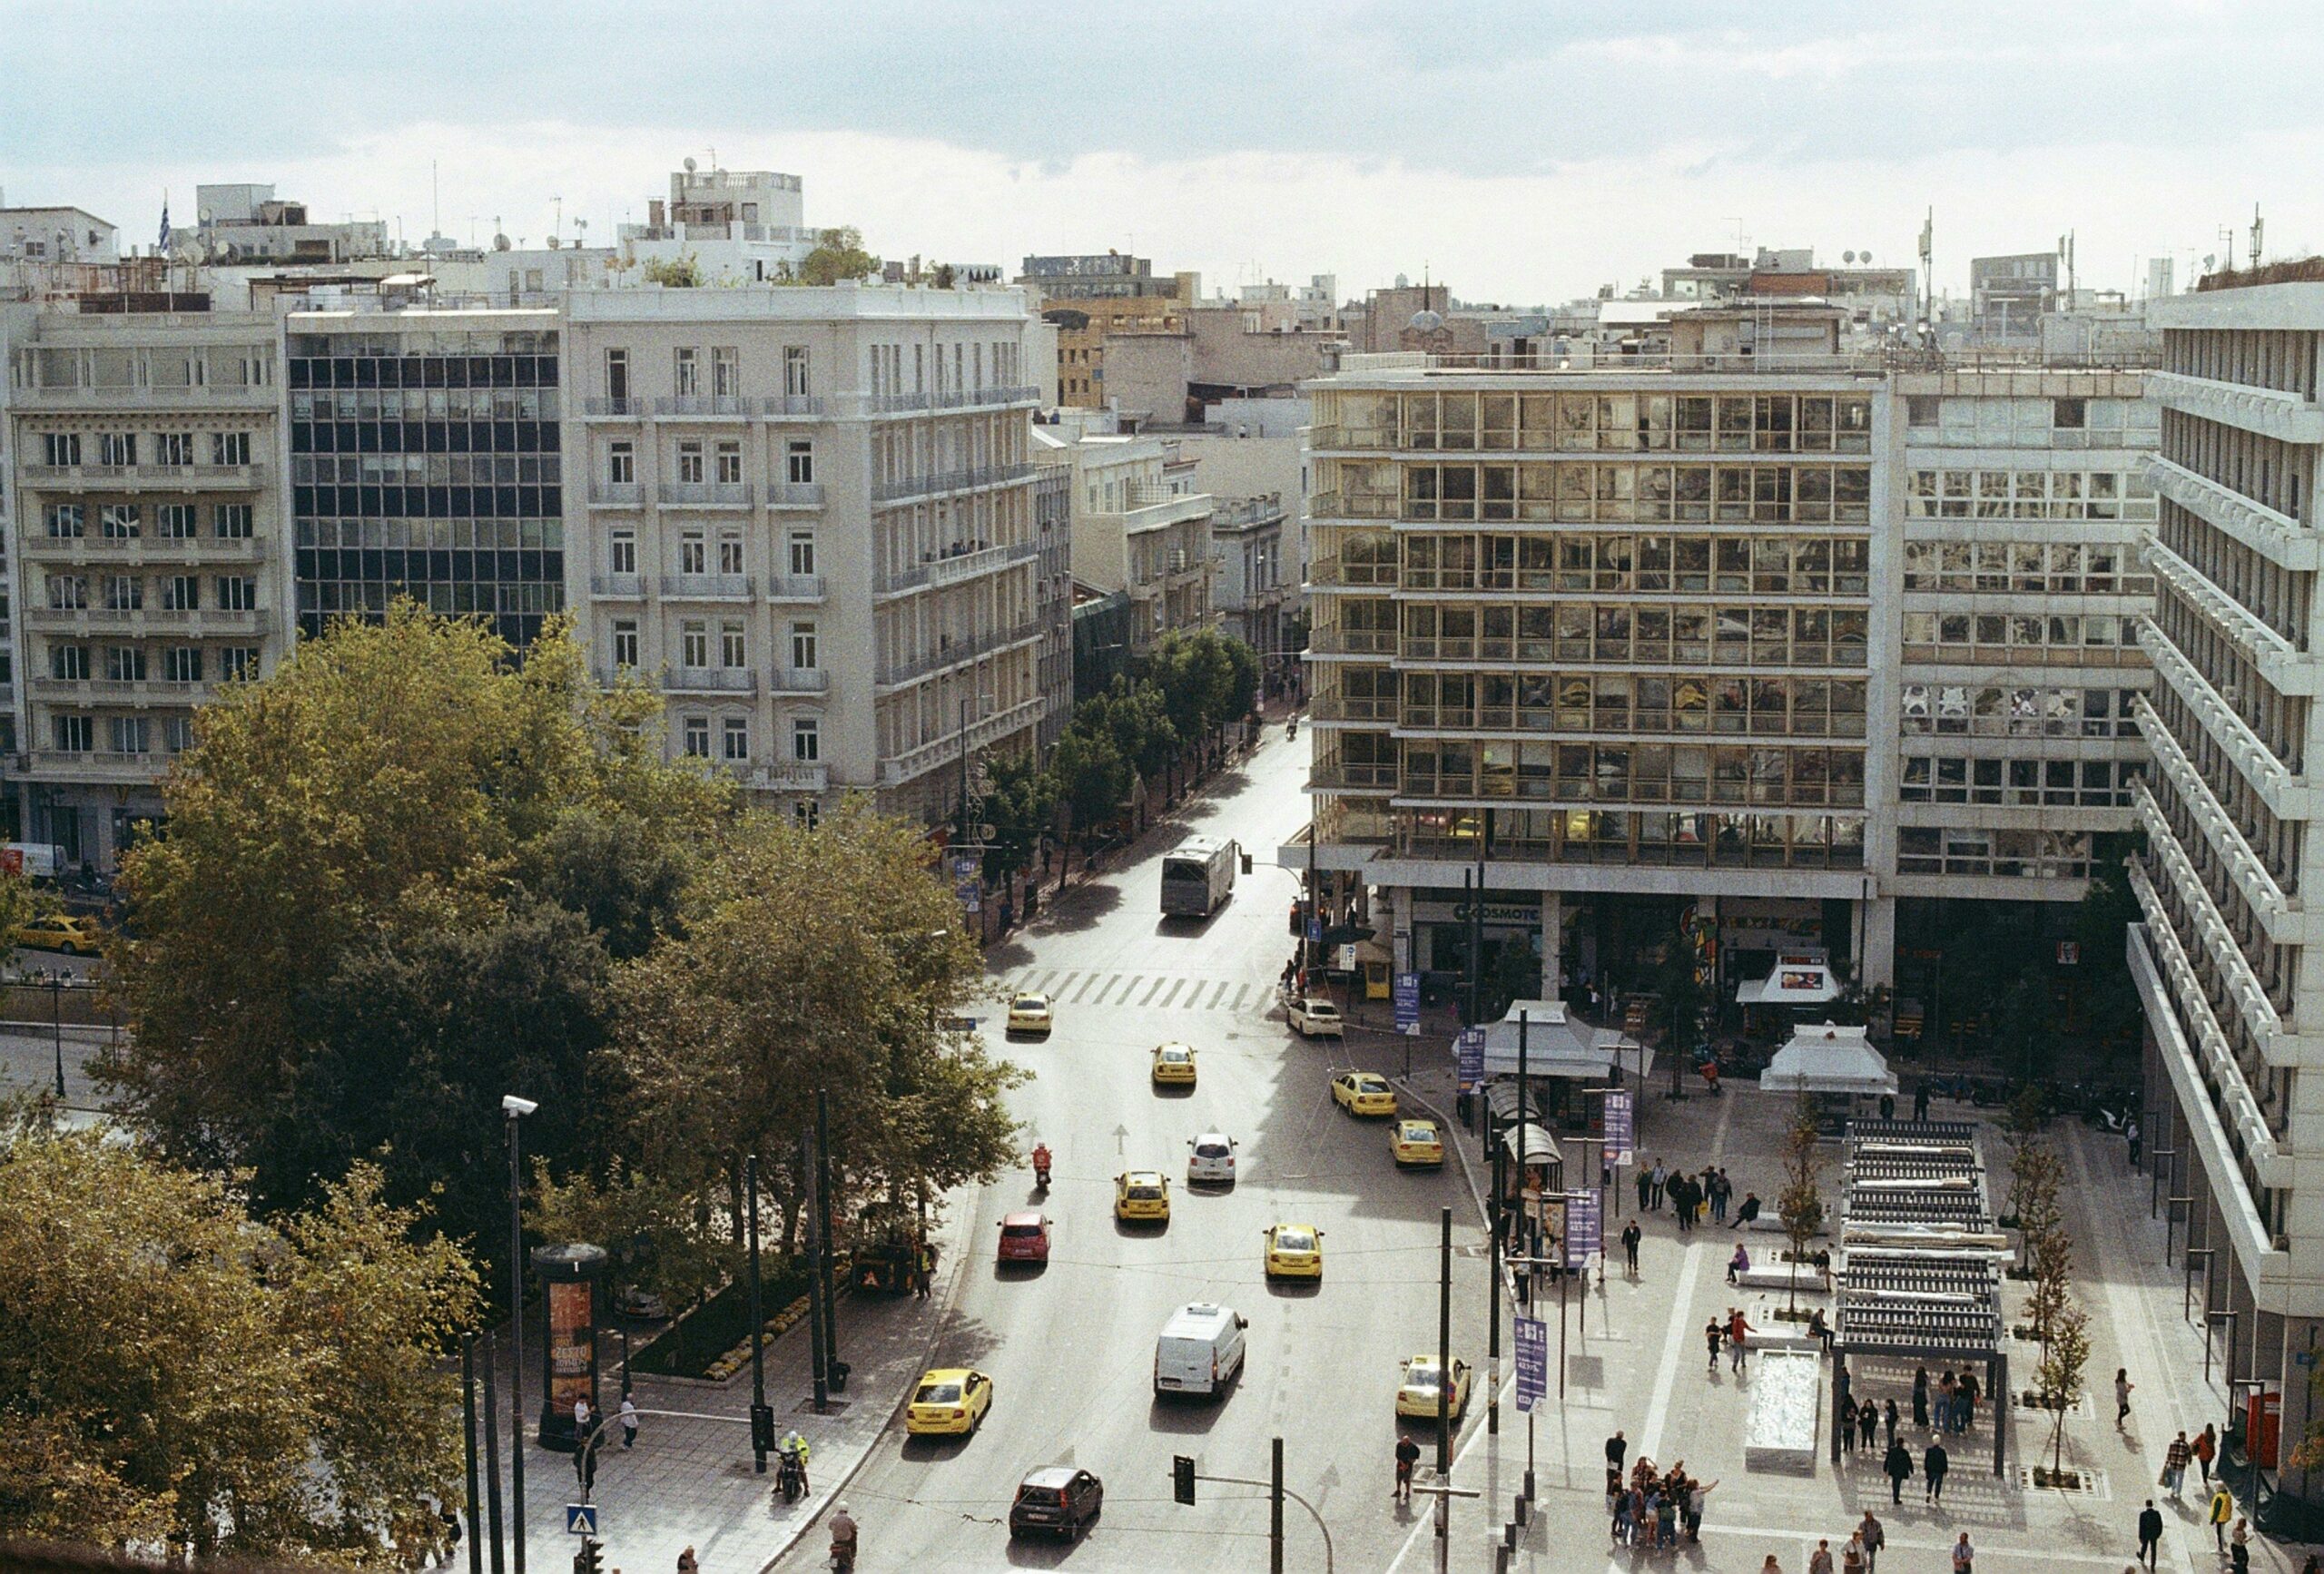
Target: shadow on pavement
1190	1416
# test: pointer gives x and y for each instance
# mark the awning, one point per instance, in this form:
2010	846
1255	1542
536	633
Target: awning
1558	1046
1800	979
1531	1144
1828	1058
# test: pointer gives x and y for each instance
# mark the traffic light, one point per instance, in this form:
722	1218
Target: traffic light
1182	1477
762	1428
590	1560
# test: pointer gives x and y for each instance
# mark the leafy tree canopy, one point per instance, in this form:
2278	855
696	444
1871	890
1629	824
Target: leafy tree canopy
838	258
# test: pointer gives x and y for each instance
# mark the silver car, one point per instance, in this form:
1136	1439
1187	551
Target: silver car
1210	1159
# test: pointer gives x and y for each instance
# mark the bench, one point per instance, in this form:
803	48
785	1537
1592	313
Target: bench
1783	1277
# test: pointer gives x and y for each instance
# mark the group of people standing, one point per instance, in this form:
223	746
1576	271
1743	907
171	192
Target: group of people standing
1652	1508
1688	1194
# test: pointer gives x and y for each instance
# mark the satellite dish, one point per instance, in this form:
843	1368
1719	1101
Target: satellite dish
1864	257
1848	257
689	165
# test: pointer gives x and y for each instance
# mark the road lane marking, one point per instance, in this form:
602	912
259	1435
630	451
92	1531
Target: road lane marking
1176	985
1151	990
1242	992
1895	1543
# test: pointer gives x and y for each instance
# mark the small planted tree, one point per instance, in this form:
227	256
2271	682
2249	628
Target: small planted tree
2058	1379
2033	1176
1801	1206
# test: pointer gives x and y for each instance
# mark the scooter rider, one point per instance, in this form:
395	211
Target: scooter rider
1041	1161
842	1538
794	1451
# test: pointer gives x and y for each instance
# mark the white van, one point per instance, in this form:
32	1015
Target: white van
1200	1351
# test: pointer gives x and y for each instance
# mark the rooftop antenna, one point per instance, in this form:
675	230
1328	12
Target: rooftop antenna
1740	238
2258	225
556	227
435	200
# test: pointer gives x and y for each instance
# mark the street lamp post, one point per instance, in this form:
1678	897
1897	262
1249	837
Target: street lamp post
514	1109
56	1026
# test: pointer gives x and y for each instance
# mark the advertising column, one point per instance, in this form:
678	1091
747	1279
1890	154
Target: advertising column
569	1277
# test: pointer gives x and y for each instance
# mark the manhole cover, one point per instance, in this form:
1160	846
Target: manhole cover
830	1407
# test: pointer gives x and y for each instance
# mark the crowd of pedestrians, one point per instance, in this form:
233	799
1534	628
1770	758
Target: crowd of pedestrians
1651	1507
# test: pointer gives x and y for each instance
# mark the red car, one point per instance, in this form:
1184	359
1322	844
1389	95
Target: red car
1025	1238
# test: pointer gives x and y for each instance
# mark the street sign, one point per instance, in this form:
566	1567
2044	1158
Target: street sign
967	886
1470	1046
580	1518
1621	1139
1584	1231
1407	993
1532	1361
1316	931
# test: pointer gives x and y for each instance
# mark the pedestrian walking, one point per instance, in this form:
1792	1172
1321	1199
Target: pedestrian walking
1820	1561
1847	1425
2131	1135
1888	1420
2123	1386
1964	1556
2239	1547
1712	1336
1616	1447
1899	1468
1920	1399
1887	1106
1407	1456
1875	1536
925	1270
2207	1450
1868	1418
2150	1533
2174	1465
1739	1332
2222	1510
1618	1504
1631	1235
1852	1555
687	1563
628	1423
1920	1101
1964	1401
1943	1406
1645	1188
1934	1464
1662	1179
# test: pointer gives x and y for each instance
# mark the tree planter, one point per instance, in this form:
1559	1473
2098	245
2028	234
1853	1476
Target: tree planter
2030	1400
2058	1481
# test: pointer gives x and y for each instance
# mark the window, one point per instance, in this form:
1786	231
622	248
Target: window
65	520
173	447
806	739
802	553
61	450
794	370
621	552
617	374
725	372
621	464
1922	409
68	592
117	521
800	471
75	734
176	522
181	664
625	643
730	464
690	464
116	449
69	662
237	662
730	553
736	735
123	592
802	646
237	593
177	733
2071	414
696	733
807	813
688	378
182	592
691	554
230	448
124	663
694	643
734	653
231	521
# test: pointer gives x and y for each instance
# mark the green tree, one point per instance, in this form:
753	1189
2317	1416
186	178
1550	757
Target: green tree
1020	804
1680	1001
2057	1376
837	258
1092	779
662	1238
1801	1205
674	274
831	958
1135	717
175	1372
1206	678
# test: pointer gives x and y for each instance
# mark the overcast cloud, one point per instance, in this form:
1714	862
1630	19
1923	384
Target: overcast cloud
1522	153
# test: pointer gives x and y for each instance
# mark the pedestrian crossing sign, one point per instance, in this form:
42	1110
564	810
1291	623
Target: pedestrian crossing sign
581	1519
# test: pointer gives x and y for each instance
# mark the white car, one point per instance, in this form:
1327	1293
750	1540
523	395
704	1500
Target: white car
1211	1160
1315	1018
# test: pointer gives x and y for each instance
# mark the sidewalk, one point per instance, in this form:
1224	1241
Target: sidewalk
690	1480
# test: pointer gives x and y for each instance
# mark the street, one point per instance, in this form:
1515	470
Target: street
1070	1348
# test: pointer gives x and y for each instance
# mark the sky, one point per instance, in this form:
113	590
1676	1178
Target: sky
1520	153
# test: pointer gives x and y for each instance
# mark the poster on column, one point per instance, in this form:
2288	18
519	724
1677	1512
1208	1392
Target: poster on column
1470	1046
1621	1138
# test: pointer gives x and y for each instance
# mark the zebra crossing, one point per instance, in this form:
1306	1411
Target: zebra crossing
1146	991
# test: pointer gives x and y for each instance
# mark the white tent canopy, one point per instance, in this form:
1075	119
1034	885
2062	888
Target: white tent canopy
1531	1144
1828	1058
1800	979
1556	1046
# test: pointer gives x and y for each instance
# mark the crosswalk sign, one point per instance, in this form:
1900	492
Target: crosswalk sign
580	1518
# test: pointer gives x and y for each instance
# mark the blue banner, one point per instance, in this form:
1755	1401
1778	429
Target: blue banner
1470	1046
1532	1361
1407	1002
1621	1135
1585	1233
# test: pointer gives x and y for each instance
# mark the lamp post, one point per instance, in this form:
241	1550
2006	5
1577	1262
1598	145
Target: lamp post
514	1109
56	1026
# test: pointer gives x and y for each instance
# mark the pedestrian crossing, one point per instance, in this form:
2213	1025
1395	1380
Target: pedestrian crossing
1146	991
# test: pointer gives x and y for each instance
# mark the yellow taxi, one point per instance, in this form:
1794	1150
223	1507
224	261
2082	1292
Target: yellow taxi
1416	1144
1142	1194
71	933
1029	1014
1174	1063
950	1401
1364	1092
1416	1394
1294	1252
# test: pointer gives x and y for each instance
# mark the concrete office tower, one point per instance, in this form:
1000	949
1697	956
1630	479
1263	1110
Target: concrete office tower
149	531
807	516
2229	963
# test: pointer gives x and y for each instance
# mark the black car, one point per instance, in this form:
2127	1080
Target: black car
1057	1500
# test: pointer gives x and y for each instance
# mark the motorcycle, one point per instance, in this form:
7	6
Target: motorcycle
842	1556
1291	729
1042	1173
789	1478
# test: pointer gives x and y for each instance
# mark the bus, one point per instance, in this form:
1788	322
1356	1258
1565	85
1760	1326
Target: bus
1196	875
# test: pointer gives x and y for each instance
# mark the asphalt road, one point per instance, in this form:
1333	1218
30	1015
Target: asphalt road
1070	1347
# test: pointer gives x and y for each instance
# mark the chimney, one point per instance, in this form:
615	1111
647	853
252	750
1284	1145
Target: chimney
654	212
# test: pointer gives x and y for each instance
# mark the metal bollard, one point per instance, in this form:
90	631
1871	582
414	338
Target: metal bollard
1500	1560
1508	1537
1524	1509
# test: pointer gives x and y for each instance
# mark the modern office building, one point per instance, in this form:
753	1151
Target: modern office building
809	518
149	535
2229	963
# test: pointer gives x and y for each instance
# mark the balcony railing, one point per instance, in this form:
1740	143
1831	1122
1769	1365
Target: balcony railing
1339	776
950	568
792	407
144	477
795	587
237	396
941	481
617	494
708	586
708	493
136	620
2267	531
945	749
1353	641
118	550
800	681
710	681
955	653
791	776
703	405
795	494
625	587
603	404
2270	412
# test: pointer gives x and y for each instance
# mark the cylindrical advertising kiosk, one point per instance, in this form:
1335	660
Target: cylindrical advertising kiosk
571	1278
